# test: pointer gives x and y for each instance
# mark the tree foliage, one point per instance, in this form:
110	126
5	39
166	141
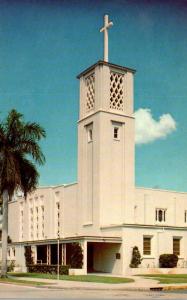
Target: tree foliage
19	152
76	259
28	256
136	258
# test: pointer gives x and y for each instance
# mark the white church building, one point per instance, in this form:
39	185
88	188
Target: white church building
103	210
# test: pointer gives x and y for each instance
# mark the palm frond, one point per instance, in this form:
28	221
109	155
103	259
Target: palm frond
29	176
30	147
18	141
34	130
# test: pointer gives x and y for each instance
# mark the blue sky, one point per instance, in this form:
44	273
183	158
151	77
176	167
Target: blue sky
45	44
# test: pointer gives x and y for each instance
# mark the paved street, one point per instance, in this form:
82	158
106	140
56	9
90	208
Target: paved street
19	292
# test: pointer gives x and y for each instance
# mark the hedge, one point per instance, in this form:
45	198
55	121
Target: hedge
50	269
168	260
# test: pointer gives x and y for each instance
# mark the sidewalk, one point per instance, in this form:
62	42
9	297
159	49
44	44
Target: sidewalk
139	284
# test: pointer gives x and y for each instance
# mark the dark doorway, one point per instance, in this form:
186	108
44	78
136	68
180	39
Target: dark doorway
90	257
54	254
69	251
42	254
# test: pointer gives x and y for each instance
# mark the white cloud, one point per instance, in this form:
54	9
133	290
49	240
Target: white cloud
149	129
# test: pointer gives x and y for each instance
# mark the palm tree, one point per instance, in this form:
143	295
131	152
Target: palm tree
19	151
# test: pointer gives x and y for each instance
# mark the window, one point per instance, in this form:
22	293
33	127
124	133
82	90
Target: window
21	222
89	132
176	246
160	215
31	223
117	130
147	245
90	135
116	133
185	216
37	221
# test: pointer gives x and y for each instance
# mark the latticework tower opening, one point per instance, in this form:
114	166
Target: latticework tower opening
116	91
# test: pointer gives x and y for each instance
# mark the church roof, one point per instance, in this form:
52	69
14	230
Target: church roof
101	62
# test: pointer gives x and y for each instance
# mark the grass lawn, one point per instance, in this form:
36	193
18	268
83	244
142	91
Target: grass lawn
168	278
83	278
21	282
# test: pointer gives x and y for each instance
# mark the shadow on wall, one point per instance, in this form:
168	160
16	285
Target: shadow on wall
104	257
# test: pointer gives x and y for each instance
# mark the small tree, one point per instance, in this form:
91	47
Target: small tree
136	258
76	258
28	256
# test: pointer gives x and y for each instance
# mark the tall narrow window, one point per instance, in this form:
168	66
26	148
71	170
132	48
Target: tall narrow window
90	135
176	246
147	245
116	133
31	223
42	209
185	216
89	132
21	222
37	222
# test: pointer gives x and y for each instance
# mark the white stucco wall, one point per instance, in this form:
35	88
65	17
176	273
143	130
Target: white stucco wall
147	200
70	213
161	243
13	221
105	258
65	195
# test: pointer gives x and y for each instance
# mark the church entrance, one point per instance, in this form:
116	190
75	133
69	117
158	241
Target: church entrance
104	257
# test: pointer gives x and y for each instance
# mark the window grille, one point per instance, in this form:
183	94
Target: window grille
90	92
116	91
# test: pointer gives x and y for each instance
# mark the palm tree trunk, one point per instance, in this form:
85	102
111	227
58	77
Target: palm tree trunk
4	235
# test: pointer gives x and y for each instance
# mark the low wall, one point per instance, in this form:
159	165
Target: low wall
140	271
77	272
20	269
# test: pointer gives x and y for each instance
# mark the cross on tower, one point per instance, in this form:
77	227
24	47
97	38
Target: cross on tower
104	29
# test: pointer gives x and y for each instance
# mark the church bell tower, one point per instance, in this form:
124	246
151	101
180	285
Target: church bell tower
106	143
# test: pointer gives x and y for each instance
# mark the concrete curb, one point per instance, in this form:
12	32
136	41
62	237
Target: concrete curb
52	286
55	286
139	289
94	289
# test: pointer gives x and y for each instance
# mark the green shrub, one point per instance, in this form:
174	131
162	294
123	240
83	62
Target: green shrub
136	258
11	265
168	260
28	256
76	259
50	269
